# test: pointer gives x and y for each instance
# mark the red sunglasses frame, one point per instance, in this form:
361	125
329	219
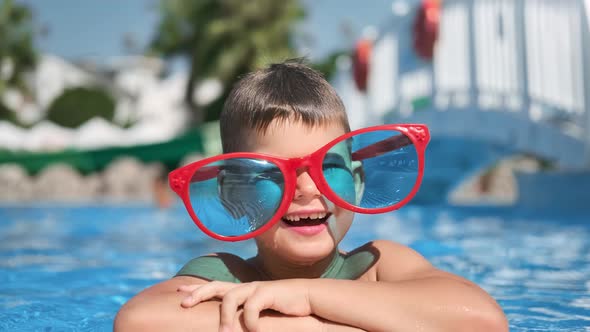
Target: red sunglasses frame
180	178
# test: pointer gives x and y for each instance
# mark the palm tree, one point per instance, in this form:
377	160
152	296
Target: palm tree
224	39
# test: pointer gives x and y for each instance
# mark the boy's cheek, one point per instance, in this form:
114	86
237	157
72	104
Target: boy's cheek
339	222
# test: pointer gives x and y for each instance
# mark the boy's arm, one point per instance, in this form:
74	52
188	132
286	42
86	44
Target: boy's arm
158	309
410	295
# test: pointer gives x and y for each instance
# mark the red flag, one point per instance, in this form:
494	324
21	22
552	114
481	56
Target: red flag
426	26
360	63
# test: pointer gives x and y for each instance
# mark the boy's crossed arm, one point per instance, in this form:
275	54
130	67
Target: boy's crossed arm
410	295
158	308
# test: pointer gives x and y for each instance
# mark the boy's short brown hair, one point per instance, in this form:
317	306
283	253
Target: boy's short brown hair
285	91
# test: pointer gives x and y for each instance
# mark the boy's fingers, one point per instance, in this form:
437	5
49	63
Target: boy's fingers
256	303
189	301
192	287
231	301
206	292
189	288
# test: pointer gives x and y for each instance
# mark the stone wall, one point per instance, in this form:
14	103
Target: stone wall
125	179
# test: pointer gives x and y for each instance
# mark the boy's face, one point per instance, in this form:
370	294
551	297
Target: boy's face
286	238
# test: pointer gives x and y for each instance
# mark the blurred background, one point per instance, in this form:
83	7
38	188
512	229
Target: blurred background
91	94
91	91
100	100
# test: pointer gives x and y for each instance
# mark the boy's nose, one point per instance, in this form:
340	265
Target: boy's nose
306	187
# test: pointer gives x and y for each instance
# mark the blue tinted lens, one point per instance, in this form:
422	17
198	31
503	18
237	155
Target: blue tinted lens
379	169
236	196
337	170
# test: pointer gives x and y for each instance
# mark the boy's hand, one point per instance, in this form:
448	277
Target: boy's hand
289	297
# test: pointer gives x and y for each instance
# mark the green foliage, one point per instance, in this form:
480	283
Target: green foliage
7	115
17	54
78	105
225	39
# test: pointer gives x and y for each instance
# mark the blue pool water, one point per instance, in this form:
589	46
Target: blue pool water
71	268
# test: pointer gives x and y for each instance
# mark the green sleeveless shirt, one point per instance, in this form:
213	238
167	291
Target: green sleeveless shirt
343	266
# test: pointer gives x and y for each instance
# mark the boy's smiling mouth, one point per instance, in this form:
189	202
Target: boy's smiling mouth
306	219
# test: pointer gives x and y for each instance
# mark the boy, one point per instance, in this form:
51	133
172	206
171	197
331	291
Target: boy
299	281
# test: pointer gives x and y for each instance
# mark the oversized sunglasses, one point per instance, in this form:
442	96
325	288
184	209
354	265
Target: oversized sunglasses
237	196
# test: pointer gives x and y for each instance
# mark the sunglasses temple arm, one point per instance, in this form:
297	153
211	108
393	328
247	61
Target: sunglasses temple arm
381	147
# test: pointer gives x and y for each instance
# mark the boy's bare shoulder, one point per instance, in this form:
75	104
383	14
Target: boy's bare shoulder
399	262
398	250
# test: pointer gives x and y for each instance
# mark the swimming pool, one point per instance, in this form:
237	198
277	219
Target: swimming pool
66	268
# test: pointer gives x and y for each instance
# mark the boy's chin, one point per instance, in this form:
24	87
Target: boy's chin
308	253
295	247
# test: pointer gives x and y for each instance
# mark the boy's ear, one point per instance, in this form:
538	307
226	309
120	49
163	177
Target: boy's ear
358	174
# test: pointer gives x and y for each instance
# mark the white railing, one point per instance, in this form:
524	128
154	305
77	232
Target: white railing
530	58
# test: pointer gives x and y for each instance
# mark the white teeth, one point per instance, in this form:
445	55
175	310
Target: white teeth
297	217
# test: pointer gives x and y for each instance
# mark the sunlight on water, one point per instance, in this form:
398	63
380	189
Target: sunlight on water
72	268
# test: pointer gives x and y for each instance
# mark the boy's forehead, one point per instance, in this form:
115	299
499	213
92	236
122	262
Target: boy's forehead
293	138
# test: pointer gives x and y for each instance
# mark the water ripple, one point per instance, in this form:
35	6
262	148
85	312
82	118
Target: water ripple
67	268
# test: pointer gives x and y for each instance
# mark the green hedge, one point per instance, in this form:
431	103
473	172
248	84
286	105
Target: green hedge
169	153
7	114
78	105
